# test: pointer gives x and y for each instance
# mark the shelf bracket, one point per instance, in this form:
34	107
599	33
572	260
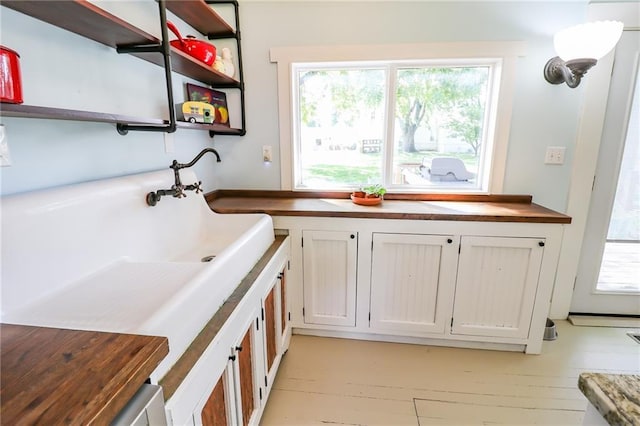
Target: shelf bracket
236	37
165	50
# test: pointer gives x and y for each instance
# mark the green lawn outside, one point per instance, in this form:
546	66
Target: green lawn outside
367	170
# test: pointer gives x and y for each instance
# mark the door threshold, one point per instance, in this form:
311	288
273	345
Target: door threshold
604	321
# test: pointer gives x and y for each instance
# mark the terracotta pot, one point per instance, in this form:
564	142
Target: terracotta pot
366	201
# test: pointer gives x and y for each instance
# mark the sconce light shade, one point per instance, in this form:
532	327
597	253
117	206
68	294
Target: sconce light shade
579	48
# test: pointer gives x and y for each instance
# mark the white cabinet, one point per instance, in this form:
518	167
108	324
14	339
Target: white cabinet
329	277
411	281
459	283
496	286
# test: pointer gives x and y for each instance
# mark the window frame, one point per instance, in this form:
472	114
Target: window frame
504	54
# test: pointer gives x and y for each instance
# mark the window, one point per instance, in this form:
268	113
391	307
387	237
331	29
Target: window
413	125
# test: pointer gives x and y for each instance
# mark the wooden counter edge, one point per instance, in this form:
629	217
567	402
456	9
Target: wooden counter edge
486	198
118	402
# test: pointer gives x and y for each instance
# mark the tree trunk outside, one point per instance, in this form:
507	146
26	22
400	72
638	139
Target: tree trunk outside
408	137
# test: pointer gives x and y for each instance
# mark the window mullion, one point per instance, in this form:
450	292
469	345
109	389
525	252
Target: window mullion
389	119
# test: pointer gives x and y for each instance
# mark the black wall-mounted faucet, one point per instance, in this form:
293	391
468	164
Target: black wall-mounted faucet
177	190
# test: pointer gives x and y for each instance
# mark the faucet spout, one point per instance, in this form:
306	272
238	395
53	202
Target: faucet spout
178	166
177	190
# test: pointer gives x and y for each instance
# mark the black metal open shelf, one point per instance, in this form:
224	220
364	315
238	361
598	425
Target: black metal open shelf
90	21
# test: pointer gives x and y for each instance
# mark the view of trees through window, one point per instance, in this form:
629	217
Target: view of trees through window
402	126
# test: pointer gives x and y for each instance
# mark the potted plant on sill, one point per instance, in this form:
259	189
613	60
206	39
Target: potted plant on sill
369	195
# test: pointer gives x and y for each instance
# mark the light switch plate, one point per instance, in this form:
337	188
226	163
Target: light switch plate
554	155
267	153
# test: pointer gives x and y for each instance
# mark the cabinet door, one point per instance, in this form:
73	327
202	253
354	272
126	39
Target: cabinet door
284	307
329	275
270	327
496	286
245	376
410	280
219	410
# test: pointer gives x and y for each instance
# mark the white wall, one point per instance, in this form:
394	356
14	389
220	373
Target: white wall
63	69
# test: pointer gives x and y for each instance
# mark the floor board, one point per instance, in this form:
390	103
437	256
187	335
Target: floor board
324	381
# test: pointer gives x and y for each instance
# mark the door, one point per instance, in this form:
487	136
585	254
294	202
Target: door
284	306
248	391
271	316
608	278
496	286
329	277
410	275
220	409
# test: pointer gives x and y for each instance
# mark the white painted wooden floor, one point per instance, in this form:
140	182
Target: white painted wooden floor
324	381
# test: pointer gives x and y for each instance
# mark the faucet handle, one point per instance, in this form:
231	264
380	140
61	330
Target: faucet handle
178	191
198	187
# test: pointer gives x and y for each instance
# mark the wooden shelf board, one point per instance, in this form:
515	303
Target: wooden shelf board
201	17
217	128
32	111
186	65
85	19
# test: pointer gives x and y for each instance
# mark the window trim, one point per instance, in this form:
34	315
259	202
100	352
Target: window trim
506	52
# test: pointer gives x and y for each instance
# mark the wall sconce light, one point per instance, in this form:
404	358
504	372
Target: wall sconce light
579	48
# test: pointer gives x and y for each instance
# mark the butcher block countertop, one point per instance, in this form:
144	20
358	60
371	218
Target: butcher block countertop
52	376
485	208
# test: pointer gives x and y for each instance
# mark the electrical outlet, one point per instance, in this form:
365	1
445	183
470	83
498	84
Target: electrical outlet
5	159
266	153
554	155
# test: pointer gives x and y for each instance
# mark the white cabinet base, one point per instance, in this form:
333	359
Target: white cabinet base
393	338
514	261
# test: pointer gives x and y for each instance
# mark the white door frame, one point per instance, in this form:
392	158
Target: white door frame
586	156
617	133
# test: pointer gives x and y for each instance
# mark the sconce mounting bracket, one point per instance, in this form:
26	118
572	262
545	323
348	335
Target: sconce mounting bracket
557	71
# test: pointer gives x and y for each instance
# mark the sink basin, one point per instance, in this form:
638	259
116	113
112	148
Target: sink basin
94	256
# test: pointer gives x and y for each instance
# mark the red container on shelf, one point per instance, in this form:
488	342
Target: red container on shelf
10	84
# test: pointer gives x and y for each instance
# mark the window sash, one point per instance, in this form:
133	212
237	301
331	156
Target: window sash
392	71
506	52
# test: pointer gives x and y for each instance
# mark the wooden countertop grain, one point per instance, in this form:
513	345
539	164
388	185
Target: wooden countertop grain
55	376
489	208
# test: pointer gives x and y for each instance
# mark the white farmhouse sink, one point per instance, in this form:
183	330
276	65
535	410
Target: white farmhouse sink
94	256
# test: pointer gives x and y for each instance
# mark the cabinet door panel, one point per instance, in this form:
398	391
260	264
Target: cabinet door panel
214	412
270	327
283	301
245	372
496	287
409	281
329	263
